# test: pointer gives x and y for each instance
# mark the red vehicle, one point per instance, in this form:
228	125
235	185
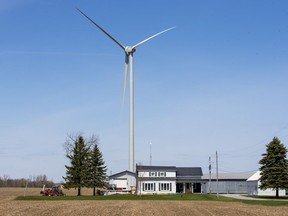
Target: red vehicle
56	190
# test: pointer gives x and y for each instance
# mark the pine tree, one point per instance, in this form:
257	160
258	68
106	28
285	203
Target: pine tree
77	173
274	169
97	169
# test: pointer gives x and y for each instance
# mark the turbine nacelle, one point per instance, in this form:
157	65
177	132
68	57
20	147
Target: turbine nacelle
129	50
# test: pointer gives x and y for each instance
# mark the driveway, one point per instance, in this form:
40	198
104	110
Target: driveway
241	196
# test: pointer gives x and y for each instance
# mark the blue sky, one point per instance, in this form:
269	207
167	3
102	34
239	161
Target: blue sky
216	82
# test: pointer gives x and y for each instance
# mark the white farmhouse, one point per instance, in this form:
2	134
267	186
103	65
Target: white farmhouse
253	184
156	179
168	179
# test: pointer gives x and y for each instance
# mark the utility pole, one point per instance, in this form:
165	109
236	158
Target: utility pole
209	175
217	174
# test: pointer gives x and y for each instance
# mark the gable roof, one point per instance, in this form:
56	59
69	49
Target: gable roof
254	177
126	172
188	171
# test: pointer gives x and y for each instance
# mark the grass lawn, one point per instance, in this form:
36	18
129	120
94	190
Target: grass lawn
200	197
171	197
270	197
266	202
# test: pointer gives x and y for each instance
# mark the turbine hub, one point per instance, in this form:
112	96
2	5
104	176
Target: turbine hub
129	50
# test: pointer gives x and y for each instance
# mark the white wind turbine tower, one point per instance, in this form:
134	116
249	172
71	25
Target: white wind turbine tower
129	50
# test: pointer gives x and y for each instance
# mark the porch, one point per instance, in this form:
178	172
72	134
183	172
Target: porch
189	187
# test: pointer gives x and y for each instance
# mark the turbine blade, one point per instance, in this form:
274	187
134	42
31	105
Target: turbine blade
117	42
125	78
152	37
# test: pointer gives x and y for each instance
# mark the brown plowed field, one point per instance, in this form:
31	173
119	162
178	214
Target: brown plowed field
8	206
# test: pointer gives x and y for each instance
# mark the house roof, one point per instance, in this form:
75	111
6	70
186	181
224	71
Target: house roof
188	171
126	172
155	168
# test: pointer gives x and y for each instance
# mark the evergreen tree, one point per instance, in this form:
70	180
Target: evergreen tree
97	169
77	153
274	169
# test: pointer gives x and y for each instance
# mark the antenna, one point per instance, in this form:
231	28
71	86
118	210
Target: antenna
150	153
217	174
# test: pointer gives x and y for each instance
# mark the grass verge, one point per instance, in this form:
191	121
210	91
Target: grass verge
266	202
270	197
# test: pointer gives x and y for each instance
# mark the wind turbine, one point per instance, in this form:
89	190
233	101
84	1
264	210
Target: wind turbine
129	51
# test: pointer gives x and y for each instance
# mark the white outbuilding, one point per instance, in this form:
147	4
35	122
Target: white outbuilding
123	181
253	184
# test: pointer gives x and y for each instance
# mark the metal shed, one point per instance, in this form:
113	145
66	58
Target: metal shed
227	182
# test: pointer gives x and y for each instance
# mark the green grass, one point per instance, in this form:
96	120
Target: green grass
195	197
268	200
265	202
171	197
270	197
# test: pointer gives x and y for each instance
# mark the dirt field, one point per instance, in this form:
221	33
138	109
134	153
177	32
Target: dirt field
10	207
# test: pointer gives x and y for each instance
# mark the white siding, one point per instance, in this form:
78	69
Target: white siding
157	187
149	173
119	183
131	182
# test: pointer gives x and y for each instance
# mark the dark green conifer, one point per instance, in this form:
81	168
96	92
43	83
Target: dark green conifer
274	167
97	169
77	172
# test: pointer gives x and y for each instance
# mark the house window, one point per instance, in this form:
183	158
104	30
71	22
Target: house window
165	186
155	174
148	186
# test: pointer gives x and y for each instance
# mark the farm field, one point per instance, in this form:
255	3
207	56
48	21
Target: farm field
9	206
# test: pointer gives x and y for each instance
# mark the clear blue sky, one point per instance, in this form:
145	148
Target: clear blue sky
216	82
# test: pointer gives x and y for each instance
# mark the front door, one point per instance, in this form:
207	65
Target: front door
197	187
187	188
